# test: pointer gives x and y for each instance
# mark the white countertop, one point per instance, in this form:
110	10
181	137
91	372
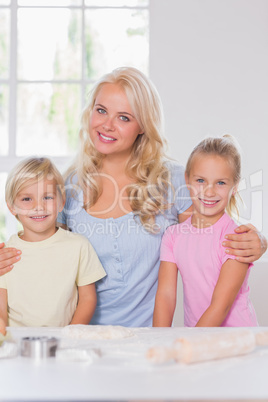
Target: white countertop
123	372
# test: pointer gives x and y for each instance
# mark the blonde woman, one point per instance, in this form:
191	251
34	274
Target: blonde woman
122	193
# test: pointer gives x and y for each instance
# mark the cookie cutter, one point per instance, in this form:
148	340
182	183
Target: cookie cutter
38	347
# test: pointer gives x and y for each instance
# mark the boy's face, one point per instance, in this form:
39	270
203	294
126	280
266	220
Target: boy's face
37	206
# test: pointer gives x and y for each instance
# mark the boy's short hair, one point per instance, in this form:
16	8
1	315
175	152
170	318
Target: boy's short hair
32	169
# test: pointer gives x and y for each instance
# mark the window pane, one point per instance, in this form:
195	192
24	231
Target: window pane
127	43
4	43
48	119
53	36
116	3
3	208
4	2
4	119
47	3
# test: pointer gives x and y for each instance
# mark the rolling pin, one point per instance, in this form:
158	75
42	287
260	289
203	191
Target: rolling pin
204	347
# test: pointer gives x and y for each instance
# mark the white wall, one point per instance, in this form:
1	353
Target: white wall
209	61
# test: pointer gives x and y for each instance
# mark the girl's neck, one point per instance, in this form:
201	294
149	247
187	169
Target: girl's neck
202	221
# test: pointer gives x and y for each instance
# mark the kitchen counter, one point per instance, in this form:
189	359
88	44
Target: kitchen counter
117	369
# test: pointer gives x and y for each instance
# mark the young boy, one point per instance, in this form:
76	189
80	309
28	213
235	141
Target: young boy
53	283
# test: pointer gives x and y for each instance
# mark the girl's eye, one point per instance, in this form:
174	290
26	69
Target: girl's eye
101	111
48	197
221	183
26	199
124	118
200	181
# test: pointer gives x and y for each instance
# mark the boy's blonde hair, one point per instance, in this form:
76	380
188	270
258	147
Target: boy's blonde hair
32	169
227	148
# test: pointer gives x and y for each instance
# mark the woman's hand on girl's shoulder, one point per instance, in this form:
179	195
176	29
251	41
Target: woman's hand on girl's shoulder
8	257
248	245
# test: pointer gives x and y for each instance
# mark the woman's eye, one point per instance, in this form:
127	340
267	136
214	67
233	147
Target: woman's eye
101	111
124	118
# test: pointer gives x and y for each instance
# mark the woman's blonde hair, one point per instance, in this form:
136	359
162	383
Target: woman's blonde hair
228	148
147	196
31	170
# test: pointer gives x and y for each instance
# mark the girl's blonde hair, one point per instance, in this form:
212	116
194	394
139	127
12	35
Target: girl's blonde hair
32	170
147	196
227	148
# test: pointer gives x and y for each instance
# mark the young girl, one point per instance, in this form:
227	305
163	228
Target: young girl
53	283
215	285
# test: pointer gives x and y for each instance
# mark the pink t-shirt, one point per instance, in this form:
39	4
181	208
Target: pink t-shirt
199	256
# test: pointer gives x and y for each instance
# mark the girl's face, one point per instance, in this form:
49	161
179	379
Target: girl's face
37	206
211	185
113	127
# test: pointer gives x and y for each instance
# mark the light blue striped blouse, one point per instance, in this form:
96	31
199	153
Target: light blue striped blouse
128	253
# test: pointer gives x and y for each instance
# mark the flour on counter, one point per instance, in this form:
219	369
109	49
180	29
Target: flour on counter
96	332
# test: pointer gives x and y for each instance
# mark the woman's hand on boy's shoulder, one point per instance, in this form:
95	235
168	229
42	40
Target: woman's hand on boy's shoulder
8	257
248	245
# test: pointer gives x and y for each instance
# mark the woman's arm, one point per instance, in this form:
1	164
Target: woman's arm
3	305
165	300
231	278
8	257
248	245
87	301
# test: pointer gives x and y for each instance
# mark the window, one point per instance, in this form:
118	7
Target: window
50	54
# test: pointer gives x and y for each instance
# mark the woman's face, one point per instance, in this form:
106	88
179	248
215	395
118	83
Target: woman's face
113	128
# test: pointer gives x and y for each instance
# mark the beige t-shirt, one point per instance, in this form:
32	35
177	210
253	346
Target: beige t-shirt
42	287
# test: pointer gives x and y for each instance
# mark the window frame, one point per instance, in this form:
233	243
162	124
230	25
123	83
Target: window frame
7	162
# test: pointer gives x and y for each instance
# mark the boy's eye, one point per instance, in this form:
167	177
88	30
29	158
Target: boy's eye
124	118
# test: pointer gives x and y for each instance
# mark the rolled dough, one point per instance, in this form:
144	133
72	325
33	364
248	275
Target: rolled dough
200	348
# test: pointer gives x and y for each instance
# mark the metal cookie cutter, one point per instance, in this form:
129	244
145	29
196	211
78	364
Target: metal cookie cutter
39	347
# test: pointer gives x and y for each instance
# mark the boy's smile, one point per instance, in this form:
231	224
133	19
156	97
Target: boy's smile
37	206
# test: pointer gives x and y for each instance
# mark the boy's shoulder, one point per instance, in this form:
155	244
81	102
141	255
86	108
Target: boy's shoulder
72	237
12	241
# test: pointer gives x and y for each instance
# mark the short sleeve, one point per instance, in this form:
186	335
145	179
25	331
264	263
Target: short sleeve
74	200
229	229
90	269
180	193
166	251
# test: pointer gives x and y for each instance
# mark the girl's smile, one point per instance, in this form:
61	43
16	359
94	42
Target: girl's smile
211	185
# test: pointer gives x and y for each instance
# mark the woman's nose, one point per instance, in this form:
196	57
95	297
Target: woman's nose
108	124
